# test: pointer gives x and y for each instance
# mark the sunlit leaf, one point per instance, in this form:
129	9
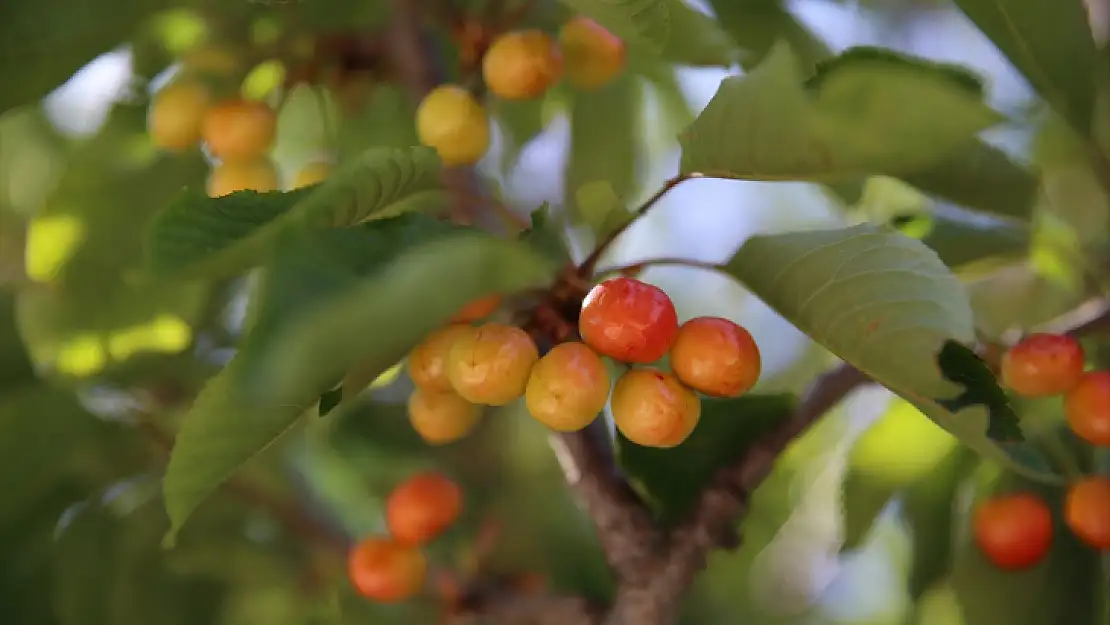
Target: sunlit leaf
214	237
886	304
866	112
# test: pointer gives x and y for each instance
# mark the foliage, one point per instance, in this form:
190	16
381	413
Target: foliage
202	398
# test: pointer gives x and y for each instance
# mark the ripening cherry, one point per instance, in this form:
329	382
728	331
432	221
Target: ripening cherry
441	417
1087	511
593	56
568	387
176	114
628	320
426	360
478	309
521	65
1013	531
453	122
313	173
254	175
1041	365
491	365
1087	408
715	356
422	507
653	409
384	570
239	129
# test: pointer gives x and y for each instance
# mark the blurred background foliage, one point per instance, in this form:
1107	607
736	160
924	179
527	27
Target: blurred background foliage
862	522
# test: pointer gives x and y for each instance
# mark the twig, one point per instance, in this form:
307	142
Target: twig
638	267
588	266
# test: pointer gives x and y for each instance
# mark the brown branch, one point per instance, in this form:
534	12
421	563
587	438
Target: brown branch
625	528
509	608
721	505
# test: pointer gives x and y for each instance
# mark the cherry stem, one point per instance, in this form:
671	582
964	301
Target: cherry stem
587	267
635	268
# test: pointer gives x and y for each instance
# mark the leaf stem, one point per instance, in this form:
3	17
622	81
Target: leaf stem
587	267
1056	448
635	268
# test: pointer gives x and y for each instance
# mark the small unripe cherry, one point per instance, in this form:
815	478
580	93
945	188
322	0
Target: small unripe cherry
313	173
1041	365
176	114
441	417
491	365
1087	408
478	309
386	571
592	55
1087	511
239	129
628	320
450	120
254	175
422	507
426	363
715	356
653	409
568	387
1014	531
521	65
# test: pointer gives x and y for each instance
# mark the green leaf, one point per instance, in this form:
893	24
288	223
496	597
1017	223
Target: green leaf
545	236
980	177
1051	44
375	323
604	137
756	25
901	448
646	23
44	45
600	207
960	238
886	304
16	368
216	237
866	112
929	508
227	424
696	39
672	479
41	430
1051	592
959	364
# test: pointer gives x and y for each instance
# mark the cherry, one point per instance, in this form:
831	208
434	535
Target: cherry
386	571
1087	511
522	65
313	173
452	121
653	409
478	309
253	175
426	360
1041	365
491	365
1013	531
628	320
176	114
239	129
1087	408
568	387
441	417
593	55
716	356
423	507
